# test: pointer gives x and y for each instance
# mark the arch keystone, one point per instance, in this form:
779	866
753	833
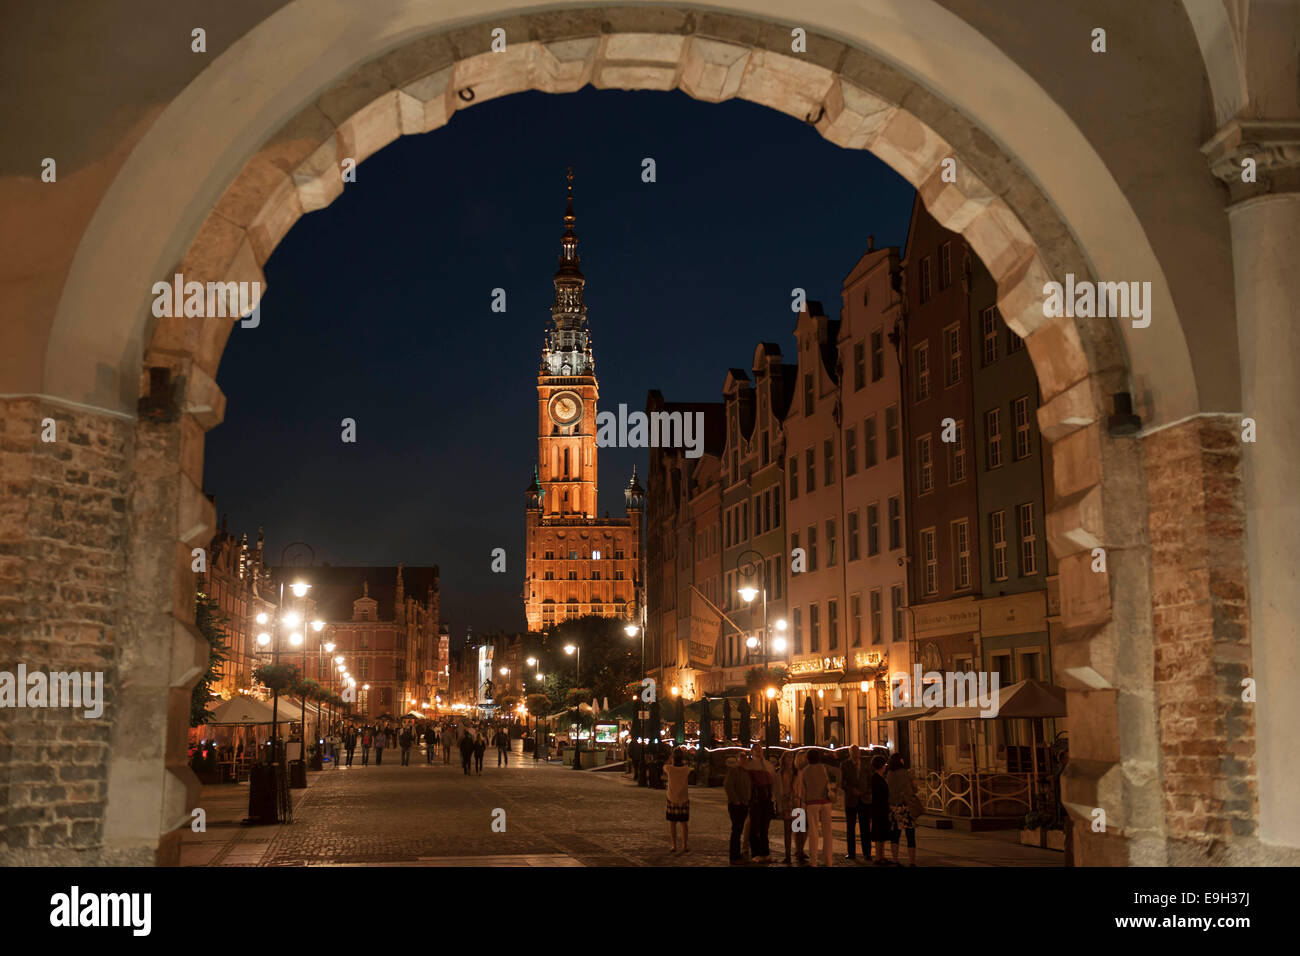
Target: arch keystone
565	66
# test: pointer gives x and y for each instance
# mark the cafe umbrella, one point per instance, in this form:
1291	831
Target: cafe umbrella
706	724
773	727
809	724
726	720
746	731
679	725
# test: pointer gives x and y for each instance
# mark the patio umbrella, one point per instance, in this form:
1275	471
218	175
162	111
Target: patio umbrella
809	724
745	729
679	725
726	720
773	727
706	724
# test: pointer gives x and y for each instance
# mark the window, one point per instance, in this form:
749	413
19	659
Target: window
770	503
952	355
548	576
797	627
989	334
998	537
945	265
921	362
960	554
873	530
812	547
1014	342
828	462
896	610
869	442
758	516
859	365
1028	541
744	521
877	355
550	555
1020	409
851	450
810	469
776	506
925	466
365	668
929	562
853	535
924	283
957	455
794	542
832	624
767	448
993	439
807	393
814	628
831	556
855	619
573	575
895	523
726	532
876	635
891	432
793	478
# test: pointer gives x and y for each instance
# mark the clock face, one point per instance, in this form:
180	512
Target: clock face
566	408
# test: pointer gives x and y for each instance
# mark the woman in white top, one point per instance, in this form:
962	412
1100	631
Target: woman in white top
678	772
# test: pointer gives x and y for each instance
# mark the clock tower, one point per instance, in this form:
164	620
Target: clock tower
567	391
576	562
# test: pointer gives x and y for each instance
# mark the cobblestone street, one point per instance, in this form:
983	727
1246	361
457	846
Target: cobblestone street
424	815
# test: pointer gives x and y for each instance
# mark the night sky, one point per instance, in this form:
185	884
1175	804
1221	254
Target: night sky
378	308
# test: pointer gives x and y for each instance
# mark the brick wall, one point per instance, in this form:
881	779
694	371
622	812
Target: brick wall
1202	635
63	516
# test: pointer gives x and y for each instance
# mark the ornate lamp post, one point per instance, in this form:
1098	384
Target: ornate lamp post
751	565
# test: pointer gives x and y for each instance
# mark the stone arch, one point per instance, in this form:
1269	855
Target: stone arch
856	99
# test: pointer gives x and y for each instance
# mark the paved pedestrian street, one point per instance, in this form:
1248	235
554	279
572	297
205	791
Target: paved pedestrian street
423	815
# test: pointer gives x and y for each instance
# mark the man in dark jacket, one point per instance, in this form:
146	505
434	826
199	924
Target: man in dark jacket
349	743
857	800
738	788
430	741
404	740
466	751
503	748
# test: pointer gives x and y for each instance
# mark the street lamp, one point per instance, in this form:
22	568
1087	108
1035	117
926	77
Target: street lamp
751	566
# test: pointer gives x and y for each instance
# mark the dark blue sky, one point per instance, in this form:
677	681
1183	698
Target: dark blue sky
379	309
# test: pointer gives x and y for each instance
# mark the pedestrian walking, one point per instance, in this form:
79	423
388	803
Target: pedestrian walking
480	748
761	777
381	741
430	741
503	748
679	799
904	806
816	787
367	741
787	799
350	742
405	741
857	803
466	751
736	784
448	741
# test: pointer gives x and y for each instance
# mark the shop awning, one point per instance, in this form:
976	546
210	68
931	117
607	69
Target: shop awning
903	713
244	710
1029	699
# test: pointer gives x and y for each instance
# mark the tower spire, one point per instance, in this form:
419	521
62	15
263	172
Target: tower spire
568	347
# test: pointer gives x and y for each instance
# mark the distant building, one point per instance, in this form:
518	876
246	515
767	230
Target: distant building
238	581
383	621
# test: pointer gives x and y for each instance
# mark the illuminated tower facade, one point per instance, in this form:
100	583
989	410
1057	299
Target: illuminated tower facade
576	563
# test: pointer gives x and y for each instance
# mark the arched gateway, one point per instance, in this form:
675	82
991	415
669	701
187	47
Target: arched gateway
204	170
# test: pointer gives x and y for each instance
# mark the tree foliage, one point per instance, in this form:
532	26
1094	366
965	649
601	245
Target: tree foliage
208	619
610	661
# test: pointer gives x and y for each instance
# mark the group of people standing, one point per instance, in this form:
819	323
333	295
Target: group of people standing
879	794
471	738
